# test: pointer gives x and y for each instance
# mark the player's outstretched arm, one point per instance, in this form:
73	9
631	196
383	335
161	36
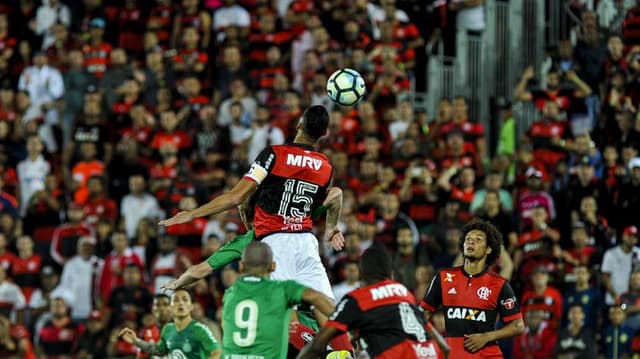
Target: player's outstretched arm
225	201
333	203
190	276
475	342
322	303
319	343
130	337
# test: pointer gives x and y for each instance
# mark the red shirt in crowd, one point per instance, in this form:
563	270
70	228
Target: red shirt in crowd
549	302
111	276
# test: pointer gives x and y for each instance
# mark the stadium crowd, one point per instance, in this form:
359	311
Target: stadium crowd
115	114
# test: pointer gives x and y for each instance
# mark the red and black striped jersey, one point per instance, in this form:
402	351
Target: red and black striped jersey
388	321
59	341
292	179
471	304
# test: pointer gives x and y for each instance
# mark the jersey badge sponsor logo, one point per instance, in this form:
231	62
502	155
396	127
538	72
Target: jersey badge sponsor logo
307	337
548	300
475	315
585	299
388	290
508	303
186	347
177	354
425	351
483	293
452	291
303	161
449	277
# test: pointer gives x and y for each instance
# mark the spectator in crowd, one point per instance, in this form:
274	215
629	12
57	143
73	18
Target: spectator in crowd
41	298
13	301
64	244
15	340
534	196
25	270
351	281
81	275
538	339
617	265
131	298
576	340
138	204
629	302
544	298
57	334
45	87
617	336
32	172
93	340
585	295
114	264
43	215
169	263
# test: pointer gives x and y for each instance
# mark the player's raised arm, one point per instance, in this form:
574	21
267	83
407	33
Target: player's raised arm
130	337
322	303
238	194
190	276
333	203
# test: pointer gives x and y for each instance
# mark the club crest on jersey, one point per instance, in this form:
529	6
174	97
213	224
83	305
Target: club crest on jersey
476	315
449	277
483	293
509	303
303	161
186	347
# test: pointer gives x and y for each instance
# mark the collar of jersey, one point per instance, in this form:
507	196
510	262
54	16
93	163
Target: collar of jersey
474	275
251	278
308	147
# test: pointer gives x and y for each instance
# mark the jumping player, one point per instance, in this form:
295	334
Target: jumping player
383	312
472	297
256	310
183	338
232	250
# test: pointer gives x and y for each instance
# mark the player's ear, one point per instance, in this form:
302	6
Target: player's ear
272	267
489	250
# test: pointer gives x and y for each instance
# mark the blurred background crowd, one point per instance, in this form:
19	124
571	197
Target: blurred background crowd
115	114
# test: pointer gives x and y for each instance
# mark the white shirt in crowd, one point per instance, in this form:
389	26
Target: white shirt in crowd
262	137
47	16
134	208
11	296
234	15
342	288
163	269
44	84
249	106
81	277
619	266
377	15
31	176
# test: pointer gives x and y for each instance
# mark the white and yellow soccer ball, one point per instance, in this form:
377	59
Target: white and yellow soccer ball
339	354
346	87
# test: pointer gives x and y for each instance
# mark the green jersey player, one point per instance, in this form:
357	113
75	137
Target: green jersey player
256	309
184	338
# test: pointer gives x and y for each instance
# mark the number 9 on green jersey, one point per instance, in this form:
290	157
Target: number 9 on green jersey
255	317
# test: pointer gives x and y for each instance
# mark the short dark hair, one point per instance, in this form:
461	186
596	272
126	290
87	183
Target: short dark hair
494	237
189	293
315	121
159	296
375	264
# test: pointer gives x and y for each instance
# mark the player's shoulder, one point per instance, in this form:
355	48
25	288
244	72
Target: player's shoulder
169	327
200	327
447	271
496	277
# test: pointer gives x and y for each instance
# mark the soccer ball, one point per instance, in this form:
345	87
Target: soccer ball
346	87
342	354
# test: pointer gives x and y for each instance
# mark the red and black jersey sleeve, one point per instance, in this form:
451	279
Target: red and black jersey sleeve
262	166
433	299
508	304
346	315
